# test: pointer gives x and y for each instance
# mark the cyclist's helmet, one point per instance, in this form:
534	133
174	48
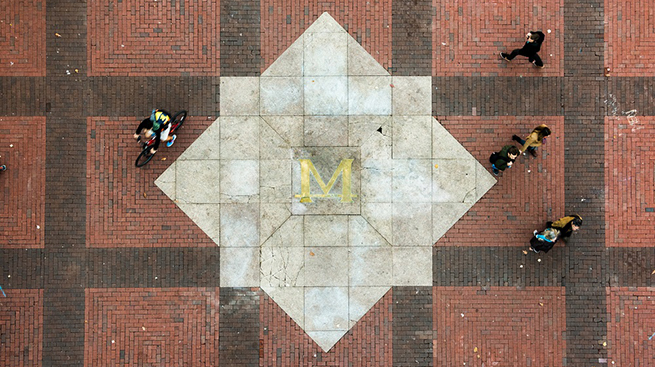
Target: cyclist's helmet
159	119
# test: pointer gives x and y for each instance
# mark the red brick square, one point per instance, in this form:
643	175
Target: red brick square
369	22
467	37
631	324
629	181
499	326
525	197
21	327
151	327
124	206
22	38
22	208
163	38
284	343
629	36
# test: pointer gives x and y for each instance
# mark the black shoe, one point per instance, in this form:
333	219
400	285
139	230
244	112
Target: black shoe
516	138
504	57
535	64
533	152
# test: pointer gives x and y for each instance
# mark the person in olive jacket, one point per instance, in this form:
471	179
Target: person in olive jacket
536	139
504	159
533	41
566	225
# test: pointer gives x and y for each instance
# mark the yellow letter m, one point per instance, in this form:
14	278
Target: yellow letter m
345	169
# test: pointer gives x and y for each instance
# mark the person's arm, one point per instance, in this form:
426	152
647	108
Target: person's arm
530	141
145	124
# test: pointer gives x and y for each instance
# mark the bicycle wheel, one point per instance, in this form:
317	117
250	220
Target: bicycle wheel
144	157
178	120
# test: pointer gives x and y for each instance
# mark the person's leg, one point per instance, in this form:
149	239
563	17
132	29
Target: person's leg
536	60
514	53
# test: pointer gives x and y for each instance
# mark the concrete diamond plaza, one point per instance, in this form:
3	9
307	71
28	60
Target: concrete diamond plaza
329	200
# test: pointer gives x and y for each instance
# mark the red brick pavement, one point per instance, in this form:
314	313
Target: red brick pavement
124	206
165	37
468	35
284	343
21	327
499	326
525	197
629	33
151	327
22	38
22	207
631	322
282	22
629	181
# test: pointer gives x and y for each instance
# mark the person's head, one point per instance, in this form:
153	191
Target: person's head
576	223
513	152
542	131
532	37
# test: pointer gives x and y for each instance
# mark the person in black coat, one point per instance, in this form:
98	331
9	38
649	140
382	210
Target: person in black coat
504	159
533	42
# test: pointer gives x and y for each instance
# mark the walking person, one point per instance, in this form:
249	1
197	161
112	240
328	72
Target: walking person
533	42
504	159
536	139
566	225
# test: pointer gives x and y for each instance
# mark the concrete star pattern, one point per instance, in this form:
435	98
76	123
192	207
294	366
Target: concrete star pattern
325	262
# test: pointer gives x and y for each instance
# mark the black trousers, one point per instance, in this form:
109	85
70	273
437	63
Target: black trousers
531	57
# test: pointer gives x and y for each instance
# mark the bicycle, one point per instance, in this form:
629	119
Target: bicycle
176	122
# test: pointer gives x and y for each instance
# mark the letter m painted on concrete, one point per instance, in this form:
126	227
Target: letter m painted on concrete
345	169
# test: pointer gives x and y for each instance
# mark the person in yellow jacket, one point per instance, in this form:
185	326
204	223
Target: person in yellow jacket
536	139
566	225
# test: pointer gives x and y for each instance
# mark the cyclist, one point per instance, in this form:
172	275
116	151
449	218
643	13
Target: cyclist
159	124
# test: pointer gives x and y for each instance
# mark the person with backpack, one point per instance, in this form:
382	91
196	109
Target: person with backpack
533	42
504	159
159	124
544	240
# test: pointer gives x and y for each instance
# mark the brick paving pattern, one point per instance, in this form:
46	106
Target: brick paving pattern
22	38
631	326
525	197
629	181
367	22
468	36
135	212
21	328
284	343
155	38
628	31
151	327
499	326
82	71
22	209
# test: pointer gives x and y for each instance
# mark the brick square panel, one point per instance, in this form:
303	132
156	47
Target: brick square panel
631	324
21	327
525	197
468	35
22	208
124	206
22	38
628	38
151	327
629	181
500	326
166	37
284	343
282	22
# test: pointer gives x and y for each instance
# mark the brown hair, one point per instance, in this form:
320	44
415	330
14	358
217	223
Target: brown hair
534	36
513	151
